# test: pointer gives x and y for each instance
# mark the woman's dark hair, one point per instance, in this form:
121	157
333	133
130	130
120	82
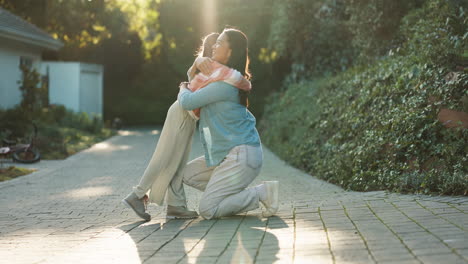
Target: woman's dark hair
239	59
206	48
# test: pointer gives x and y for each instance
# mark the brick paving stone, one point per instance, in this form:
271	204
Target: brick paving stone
319	259
441	258
71	213
431	250
396	261
460	243
356	256
463	252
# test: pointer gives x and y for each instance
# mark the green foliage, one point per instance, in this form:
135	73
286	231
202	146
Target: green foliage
314	35
15	124
59	142
375	126
34	92
61	132
326	37
374	24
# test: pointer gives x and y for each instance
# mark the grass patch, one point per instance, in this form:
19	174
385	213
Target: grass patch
13	172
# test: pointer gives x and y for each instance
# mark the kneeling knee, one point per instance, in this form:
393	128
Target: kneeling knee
206	211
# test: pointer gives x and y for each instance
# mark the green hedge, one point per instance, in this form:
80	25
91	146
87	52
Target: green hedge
61	132
374	127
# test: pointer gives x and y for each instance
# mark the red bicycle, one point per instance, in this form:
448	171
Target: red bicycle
24	153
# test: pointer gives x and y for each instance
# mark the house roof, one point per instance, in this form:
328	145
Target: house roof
16	28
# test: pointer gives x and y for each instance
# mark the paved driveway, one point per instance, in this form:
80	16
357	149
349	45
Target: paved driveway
70	212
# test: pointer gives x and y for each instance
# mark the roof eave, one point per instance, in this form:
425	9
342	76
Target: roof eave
51	44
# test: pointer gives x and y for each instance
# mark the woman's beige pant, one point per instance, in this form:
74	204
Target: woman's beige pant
224	187
169	159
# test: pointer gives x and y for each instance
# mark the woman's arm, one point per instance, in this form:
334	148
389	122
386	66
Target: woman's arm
237	80
203	64
213	92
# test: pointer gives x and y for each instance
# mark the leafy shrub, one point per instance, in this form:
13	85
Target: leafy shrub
34	92
82	121
53	114
375	23
326	37
375	126
314	35
61	132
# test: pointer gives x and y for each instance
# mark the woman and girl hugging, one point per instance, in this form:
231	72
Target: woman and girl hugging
217	97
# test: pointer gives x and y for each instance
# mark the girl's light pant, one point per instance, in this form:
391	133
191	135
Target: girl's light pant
224	186
169	159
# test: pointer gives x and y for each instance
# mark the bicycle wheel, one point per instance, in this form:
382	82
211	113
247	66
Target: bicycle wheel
28	155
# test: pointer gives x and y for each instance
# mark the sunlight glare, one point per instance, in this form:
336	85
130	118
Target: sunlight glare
194	247
209	16
241	254
109	147
111	246
102	145
84	193
127	133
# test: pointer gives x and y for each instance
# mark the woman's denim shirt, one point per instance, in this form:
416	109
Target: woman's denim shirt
224	122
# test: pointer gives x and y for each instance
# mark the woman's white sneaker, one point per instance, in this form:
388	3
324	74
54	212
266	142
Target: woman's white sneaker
271	202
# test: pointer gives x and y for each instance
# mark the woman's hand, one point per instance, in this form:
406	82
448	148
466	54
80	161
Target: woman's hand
204	65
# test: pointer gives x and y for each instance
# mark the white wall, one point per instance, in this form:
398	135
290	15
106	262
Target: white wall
64	83
91	89
10	74
77	86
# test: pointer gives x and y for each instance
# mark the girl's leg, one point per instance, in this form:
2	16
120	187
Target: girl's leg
196	174
227	192
171	152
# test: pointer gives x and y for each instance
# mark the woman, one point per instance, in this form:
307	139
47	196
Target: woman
163	174
233	153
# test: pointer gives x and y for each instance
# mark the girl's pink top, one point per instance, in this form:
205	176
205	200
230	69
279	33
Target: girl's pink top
220	73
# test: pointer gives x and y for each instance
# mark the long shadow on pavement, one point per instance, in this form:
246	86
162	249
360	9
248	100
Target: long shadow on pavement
236	239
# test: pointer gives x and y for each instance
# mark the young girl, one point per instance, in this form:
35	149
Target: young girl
164	172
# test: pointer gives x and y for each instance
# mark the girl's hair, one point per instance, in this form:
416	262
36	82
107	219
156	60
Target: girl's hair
239	59
206	48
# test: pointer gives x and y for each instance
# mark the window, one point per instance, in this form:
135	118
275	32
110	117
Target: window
26	61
